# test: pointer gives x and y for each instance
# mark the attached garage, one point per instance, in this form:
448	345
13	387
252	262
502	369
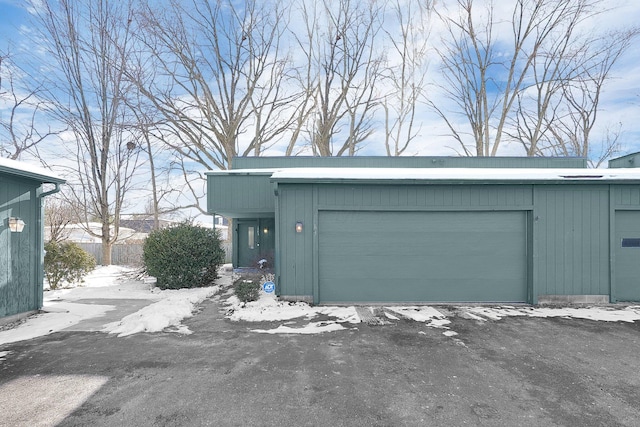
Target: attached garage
426	230
373	256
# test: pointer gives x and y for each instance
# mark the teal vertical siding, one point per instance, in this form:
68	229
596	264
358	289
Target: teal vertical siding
571	240
19	258
240	196
408	162
569	226
421	197
626	196
298	253
295	257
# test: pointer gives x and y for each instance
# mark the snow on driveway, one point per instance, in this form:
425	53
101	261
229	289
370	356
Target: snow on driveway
165	310
64	308
269	309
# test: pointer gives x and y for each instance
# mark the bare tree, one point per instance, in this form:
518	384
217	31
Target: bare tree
406	76
222	94
556	114
572	135
58	214
21	124
343	64
90	42
485	85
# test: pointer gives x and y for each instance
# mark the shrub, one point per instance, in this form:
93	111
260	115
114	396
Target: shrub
183	256
247	290
66	262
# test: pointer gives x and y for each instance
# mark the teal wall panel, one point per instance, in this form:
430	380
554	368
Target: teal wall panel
20	259
240	196
571	240
628	161
408	162
626	196
297	253
419	197
295	257
626	256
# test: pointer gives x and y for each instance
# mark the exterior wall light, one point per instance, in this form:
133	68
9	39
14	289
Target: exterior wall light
16	225
299	227
265	230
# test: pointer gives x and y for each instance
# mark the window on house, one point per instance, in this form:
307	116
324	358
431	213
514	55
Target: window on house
251	237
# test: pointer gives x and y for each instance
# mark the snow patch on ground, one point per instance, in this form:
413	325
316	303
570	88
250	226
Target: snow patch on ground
174	306
311	328
429	315
62	308
166	310
604	314
269	309
55	317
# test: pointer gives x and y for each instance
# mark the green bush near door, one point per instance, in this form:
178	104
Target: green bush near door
183	256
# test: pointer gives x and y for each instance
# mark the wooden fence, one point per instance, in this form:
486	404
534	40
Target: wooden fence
131	254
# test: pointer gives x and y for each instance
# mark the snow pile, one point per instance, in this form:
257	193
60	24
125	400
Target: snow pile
605	314
310	328
173	307
422	314
429	315
63	308
269	309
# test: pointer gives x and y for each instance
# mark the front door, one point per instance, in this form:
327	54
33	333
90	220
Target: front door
627	253
248	243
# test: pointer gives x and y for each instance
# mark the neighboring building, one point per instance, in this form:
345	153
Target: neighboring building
425	229
78	233
21	235
144	223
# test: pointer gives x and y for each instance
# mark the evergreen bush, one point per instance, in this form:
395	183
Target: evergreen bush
247	290
66	262
183	256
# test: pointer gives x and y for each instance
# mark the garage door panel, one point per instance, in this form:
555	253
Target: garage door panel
422	256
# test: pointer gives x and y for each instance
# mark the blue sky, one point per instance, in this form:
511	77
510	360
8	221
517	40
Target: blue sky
620	100
11	17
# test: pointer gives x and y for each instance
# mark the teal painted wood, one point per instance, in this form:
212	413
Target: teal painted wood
627	257
409	162
628	161
571	240
626	196
422	256
250	195
421	197
20	259
295	250
297	258
240	196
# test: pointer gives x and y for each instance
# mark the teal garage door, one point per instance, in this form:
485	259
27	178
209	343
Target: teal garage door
422	257
627	253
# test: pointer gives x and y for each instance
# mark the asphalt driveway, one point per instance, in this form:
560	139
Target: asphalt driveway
516	371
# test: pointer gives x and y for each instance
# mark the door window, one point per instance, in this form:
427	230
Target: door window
251	237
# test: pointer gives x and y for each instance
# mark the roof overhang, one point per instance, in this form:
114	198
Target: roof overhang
25	170
456	176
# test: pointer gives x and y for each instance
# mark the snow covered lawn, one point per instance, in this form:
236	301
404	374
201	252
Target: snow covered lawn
165	310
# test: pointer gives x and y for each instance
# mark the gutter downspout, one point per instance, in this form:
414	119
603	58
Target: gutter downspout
40	243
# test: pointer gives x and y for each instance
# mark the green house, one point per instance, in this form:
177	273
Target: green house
22	193
436	230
